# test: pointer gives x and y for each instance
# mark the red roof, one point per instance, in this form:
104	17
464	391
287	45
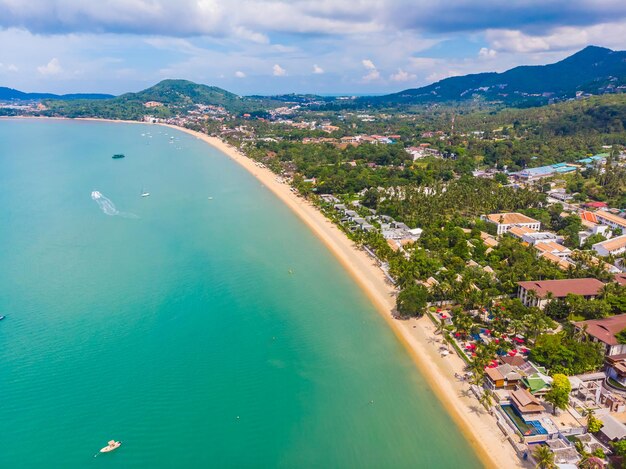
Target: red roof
596	204
621	279
604	329
589	216
562	288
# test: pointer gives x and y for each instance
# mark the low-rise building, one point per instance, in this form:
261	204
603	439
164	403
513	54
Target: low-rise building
604	331
614	221
538	293
611	247
505	221
526	403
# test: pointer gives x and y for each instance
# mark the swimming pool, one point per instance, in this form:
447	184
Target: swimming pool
526	428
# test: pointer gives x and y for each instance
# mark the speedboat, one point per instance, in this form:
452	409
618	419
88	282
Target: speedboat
113	445
118	156
145	194
2	317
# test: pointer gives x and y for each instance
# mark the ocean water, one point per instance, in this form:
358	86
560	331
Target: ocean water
203	326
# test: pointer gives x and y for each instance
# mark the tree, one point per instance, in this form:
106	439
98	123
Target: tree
544	457
558	395
412	301
594	424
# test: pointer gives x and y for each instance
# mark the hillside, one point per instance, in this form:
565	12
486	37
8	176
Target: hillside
10	94
175	95
593	70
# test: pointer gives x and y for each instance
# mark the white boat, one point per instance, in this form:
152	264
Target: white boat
145	193
113	445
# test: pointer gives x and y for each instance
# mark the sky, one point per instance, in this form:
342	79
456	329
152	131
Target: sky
285	46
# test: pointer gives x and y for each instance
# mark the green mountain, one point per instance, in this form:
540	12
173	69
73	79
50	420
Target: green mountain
182	93
10	94
593	70
176	96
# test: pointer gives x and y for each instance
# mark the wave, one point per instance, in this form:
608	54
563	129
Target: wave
108	207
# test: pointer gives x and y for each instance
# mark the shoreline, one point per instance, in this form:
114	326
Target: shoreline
416	335
477	426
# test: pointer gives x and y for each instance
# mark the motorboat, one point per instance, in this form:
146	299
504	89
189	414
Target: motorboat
113	445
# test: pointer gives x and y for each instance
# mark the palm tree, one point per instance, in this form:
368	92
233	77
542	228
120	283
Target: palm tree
544	457
486	399
441	327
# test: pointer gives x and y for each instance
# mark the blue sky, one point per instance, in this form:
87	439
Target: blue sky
282	46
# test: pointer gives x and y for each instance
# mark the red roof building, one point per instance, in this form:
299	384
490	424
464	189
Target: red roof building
538	293
604	331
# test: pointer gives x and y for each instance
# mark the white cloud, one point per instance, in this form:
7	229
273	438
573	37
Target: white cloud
485	53
368	64
373	73
51	68
240	74
402	75
8	67
317	69
278	71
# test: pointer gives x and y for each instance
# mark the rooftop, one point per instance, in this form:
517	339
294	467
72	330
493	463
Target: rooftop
613	244
611	218
550	246
562	288
620	278
525	401
511	218
520	231
604	329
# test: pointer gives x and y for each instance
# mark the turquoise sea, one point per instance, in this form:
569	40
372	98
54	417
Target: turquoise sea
172	322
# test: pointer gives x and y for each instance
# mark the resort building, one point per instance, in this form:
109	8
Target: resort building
604	331
614	221
505	221
502	377
538	293
614	246
612	429
525	403
553	248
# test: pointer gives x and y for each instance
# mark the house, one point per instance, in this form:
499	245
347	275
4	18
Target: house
152	104
604	331
553	248
612	429
616	368
561	262
505	221
611	247
502	377
538	293
595	205
621	279
614	221
525	402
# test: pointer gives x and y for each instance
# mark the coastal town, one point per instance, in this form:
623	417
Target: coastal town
525	304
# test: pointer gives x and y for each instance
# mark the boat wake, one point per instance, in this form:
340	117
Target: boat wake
108	207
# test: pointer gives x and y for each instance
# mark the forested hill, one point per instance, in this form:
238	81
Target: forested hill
593	70
10	94
174	96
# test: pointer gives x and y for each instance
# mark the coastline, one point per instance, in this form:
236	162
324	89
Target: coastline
476	425
416	335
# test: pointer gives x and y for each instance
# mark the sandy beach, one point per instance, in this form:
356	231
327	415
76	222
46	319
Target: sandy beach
417	335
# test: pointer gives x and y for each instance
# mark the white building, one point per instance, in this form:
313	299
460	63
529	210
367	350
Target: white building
614	221
613	246
505	221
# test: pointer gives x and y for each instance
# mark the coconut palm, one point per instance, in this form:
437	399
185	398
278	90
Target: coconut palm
544	457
